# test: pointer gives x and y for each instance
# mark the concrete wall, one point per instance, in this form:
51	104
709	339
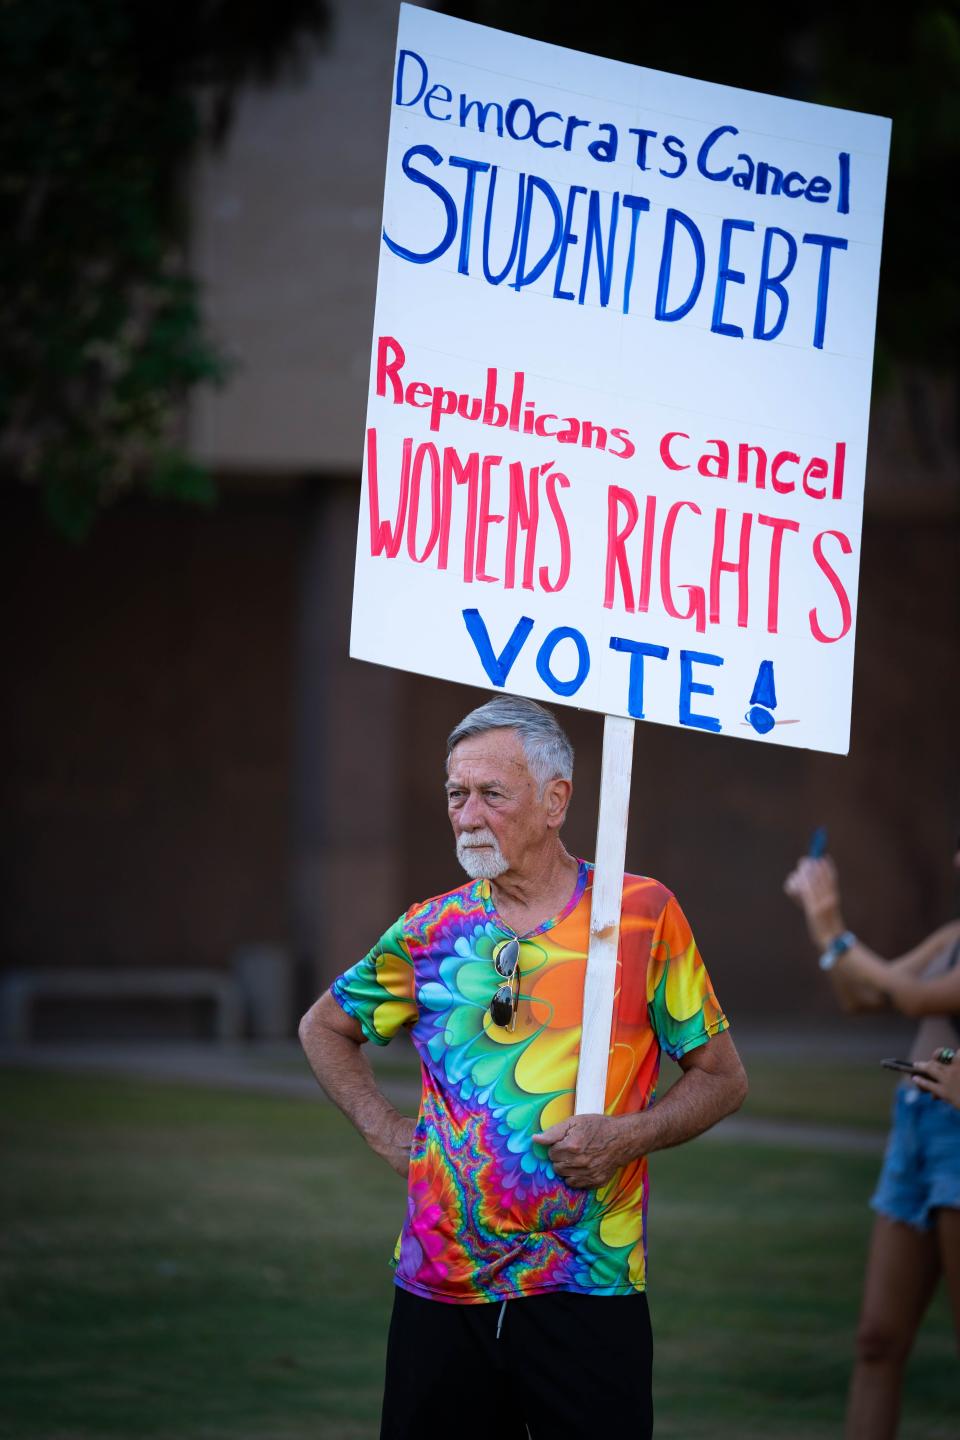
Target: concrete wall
286	238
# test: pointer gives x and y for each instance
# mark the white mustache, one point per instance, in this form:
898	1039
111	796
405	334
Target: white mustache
489	865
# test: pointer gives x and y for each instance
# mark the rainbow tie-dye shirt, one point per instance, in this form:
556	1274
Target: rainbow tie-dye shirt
487	1217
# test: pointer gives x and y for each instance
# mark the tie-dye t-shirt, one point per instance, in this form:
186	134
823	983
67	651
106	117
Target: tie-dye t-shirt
487	1216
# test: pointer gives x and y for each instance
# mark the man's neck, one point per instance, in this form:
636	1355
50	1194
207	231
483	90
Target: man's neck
526	898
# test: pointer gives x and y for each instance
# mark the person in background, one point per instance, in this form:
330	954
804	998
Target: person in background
916	1234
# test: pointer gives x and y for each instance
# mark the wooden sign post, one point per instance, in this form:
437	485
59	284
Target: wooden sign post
599	985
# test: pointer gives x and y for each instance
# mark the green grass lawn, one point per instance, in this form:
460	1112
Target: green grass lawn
204	1265
850	1092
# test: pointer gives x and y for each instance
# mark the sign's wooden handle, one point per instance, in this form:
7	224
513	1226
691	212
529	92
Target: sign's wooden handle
598	987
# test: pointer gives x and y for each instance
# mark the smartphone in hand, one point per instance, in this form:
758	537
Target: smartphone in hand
818	843
909	1067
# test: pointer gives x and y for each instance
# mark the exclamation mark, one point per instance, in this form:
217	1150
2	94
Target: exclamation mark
763	700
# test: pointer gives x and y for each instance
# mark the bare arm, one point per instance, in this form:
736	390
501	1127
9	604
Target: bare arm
814	885
713	1084
862	979
909	993
333	1042
587	1150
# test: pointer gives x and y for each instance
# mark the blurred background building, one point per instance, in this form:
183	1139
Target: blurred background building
193	766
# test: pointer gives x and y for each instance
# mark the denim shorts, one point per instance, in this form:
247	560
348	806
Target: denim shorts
921	1167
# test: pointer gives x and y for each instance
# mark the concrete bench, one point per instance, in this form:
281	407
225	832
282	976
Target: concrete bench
21	990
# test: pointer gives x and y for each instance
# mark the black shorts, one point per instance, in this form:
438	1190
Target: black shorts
554	1367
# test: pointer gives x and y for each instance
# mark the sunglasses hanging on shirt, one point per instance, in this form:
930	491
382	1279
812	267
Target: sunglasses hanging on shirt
506	999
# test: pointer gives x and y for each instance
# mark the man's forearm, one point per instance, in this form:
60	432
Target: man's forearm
691	1106
343	1072
587	1150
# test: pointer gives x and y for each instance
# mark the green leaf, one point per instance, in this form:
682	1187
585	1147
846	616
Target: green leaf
174	476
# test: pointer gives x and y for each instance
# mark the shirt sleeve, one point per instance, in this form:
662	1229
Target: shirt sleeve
683	1009
379	991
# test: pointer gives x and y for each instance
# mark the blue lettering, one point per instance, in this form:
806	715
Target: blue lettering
726	276
828	244
568	238
763	700
594	237
704	152
690	687
547	115
775	283
764	689
441	93
843	197
534	184
766	172
497	667
605	150
744	178
482	112
424	257
402	59
761	720
642	137
545	655
675	149
473	169
490	278
666	260
574	123
638	651
512	110
636	204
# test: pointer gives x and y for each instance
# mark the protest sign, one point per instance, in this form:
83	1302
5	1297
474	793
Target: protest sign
619	392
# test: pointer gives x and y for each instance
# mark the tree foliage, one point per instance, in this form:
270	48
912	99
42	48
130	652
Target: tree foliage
102	105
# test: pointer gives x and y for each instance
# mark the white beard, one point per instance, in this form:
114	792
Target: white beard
481	864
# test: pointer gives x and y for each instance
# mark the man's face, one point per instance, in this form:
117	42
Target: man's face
499	820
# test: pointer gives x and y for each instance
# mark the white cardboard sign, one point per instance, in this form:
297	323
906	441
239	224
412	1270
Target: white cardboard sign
619	391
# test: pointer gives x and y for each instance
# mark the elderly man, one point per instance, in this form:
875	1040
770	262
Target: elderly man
521	1266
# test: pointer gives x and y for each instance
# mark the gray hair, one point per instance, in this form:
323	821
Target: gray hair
548	751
